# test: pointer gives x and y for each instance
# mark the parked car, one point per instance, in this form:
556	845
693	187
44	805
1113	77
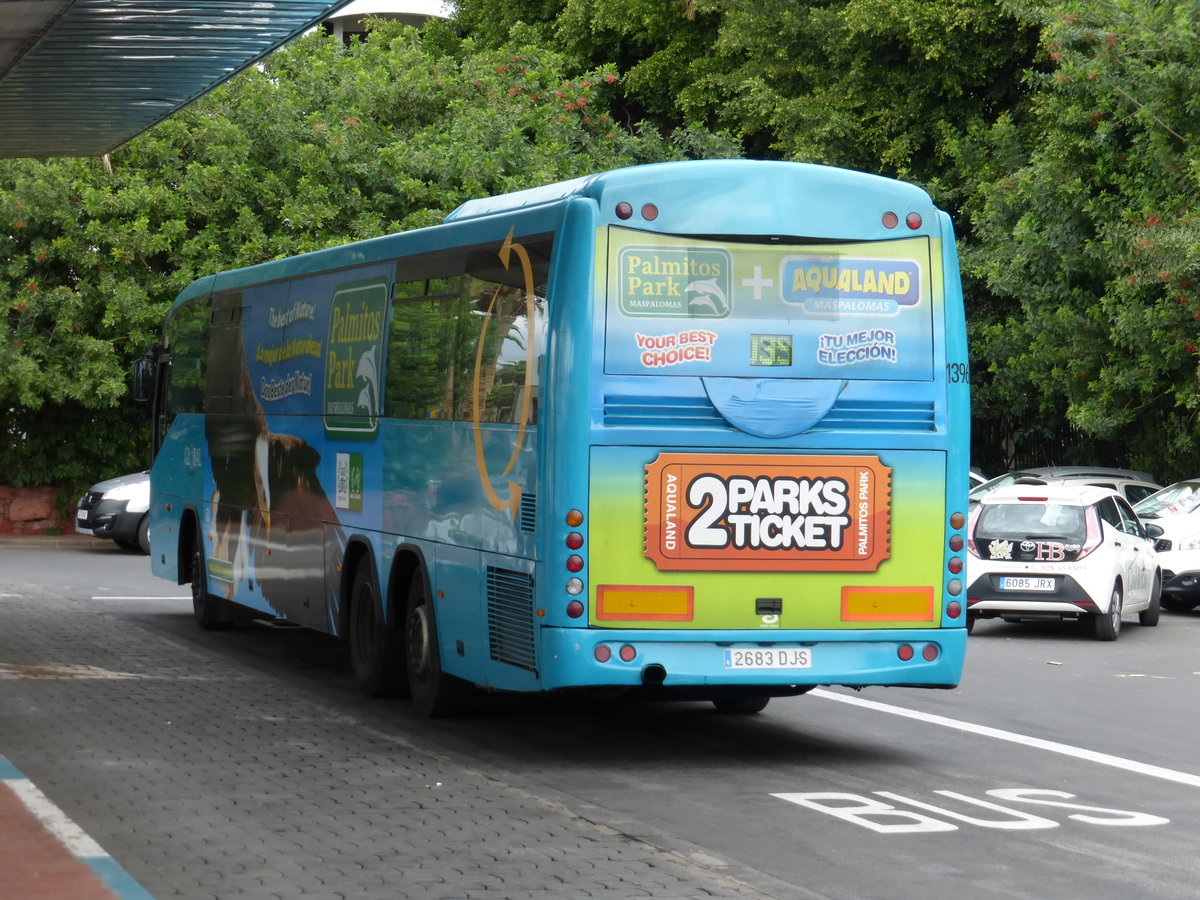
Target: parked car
117	509
1176	510
1061	551
1131	484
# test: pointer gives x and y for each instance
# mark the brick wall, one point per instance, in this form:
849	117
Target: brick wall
31	511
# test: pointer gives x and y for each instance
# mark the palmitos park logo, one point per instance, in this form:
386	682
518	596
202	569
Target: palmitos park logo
732	512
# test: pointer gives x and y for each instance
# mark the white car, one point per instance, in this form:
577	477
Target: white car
1061	551
117	509
1176	510
1129	483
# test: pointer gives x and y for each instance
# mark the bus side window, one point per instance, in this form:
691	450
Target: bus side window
187	343
422	375
506	350
445	306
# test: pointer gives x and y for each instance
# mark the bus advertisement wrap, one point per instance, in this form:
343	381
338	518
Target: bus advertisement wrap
723	512
691	307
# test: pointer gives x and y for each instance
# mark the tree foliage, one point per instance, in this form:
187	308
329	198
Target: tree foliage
321	145
878	85
1061	135
1085	247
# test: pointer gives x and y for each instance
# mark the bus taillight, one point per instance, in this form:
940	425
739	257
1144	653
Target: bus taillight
913	221
574	519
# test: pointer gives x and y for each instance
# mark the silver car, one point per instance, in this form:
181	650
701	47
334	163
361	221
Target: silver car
118	509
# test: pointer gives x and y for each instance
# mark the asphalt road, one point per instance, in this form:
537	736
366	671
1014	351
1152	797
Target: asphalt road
1062	767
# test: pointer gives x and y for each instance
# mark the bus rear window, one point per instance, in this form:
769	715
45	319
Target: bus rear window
678	306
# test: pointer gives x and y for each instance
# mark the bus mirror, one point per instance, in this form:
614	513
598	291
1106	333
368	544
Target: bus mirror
143	377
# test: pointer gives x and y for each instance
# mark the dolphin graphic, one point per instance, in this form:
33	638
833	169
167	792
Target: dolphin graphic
370	374
711	298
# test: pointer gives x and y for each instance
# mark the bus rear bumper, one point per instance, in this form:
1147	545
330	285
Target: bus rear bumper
591	657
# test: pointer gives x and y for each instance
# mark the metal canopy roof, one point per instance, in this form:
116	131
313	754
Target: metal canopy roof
80	77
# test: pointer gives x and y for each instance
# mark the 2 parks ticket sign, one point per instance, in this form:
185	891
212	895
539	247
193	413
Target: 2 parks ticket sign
736	512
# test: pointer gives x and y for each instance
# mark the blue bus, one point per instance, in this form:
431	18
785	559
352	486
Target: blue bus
692	430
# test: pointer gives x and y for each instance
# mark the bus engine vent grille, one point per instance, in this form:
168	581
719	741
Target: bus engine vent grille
698	412
510	617
671	412
527	513
879	415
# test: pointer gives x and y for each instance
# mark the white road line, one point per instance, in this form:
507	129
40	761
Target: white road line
1104	759
143	597
74	838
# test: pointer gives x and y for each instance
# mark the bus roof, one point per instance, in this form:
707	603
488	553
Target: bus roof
662	175
754	197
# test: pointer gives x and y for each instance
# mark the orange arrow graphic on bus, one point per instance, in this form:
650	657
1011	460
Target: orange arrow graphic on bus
514	489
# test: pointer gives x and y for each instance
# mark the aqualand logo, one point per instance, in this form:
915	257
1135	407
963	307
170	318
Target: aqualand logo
825	284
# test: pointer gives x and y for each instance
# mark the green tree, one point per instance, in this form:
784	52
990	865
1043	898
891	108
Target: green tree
322	144
878	85
1083	267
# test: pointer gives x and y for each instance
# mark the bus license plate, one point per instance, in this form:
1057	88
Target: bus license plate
779	658
1014	583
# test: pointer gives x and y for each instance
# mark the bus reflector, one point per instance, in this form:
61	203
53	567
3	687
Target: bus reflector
633	602
603	653
929	652
893	604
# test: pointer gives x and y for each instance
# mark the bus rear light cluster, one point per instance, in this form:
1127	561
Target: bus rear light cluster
575	585
625	211
955	564
907	652
603	653
891	220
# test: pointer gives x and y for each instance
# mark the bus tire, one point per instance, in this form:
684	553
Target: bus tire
743	705
434	693
376	651
212	613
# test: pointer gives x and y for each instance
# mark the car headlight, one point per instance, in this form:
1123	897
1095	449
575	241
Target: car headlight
125	492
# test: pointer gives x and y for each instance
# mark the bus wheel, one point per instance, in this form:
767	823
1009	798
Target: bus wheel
747	703
376	652
212	613
434	693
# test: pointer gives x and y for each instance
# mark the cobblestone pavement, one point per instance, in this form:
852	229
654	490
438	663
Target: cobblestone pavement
206	780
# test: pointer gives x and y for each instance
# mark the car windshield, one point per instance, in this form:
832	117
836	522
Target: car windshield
1178	498
1023	521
